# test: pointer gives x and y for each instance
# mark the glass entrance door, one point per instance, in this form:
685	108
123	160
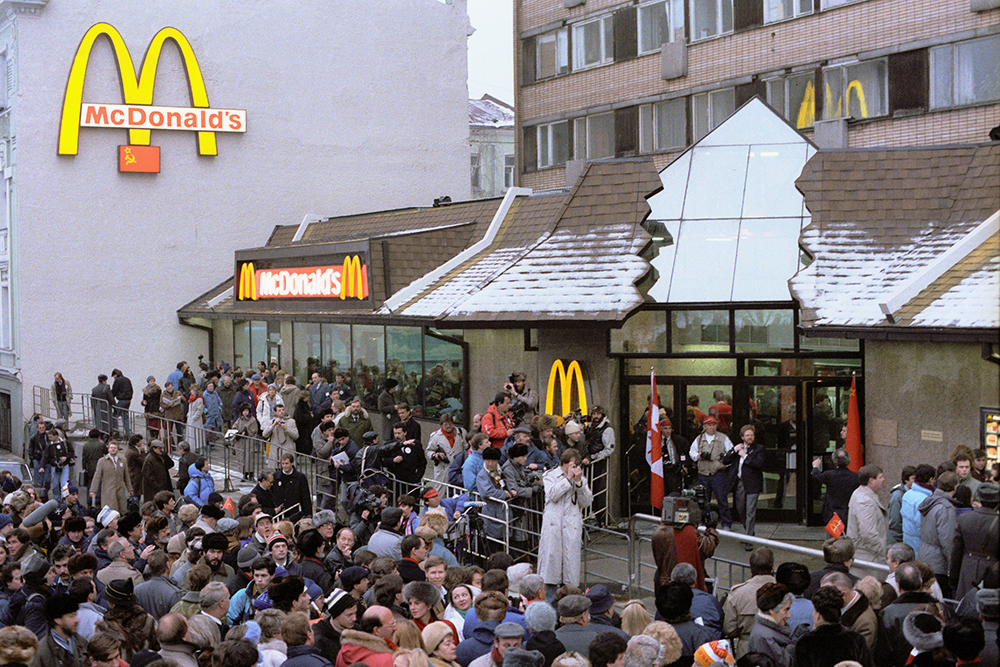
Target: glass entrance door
825	421
774	411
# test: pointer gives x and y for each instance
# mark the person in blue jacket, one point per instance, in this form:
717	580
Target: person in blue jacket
200	483
923	486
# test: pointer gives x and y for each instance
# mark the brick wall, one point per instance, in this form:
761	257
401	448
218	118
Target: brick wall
843	32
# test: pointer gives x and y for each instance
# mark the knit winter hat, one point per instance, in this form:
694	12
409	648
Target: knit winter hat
572	427
337	602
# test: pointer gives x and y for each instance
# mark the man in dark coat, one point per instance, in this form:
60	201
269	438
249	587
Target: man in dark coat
291	488
154	476
61	646
341	614
298	635
840	484
101	401
406	458
93	449
134	458
746	465
977	545
838	552
263	494
676	463
830	642
187	458
121	390
892	647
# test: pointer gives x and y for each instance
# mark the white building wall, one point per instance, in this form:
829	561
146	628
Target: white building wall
351	107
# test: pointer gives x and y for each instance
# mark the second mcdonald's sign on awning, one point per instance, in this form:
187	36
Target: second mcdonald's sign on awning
347	281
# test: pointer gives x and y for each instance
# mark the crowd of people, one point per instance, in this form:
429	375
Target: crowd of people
163	569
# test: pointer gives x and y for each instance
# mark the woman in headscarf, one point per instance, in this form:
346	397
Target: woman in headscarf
247	429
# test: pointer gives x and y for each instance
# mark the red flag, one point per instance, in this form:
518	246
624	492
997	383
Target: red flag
654	446
139	159
853	443
835	526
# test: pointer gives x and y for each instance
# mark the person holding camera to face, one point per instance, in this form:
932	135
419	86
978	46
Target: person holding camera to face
567	494
523	400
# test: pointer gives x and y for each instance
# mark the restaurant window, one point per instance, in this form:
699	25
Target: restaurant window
441	387
710	18
593	42
794	97
779	10
966	72
368	371
699	331
403	362
663	125
594	137
307	350
552	54
553	144
760	330
858	90
710	109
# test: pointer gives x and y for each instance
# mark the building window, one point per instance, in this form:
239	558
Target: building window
794	97
830	4
779	10
553	144
6	330
594	137
708	110
476	172
552	54
593	43
965	73
508	171
663	125
660	21
710	18
858	90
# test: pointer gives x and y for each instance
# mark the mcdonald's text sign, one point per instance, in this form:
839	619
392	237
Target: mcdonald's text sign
564	376
347	281
136	114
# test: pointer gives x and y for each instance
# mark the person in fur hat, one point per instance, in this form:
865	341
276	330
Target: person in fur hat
925	633
425	601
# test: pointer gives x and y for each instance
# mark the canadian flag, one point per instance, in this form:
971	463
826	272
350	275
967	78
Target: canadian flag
654	446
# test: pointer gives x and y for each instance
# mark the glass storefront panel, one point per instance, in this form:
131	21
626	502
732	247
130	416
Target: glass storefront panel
764	330
635	451
443	373
828	344
258	344
646	331
714	400
369	362
803	367
699	331
337	349
306	350
241	344
774	414
403	356
682	367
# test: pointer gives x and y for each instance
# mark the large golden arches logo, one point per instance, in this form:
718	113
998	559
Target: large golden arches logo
565	375
248	282
134	90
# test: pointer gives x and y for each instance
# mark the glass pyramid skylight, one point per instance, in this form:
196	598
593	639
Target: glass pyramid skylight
731	208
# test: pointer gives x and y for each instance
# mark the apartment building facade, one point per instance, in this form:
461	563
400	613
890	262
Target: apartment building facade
614	78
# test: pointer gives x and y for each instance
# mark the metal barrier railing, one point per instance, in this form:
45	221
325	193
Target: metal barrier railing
235	456
713	566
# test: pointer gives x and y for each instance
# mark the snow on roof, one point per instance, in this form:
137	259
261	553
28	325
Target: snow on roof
488	111
880	219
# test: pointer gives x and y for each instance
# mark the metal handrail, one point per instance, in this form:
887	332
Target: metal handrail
635	564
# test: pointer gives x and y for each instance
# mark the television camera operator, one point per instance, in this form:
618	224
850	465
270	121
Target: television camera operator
678	540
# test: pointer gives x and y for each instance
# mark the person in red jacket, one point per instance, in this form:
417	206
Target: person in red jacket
496	422
371	643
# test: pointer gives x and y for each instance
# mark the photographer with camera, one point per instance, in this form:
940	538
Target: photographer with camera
709	449
567	494
523	400
445	444
497	423
365	506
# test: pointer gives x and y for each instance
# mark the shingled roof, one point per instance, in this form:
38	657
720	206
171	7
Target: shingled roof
882	221
567	258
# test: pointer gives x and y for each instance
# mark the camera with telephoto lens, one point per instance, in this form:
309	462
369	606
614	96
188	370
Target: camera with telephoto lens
366	500
689	506
518	408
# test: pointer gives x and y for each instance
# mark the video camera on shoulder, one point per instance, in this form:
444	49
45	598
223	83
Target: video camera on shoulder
689	506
